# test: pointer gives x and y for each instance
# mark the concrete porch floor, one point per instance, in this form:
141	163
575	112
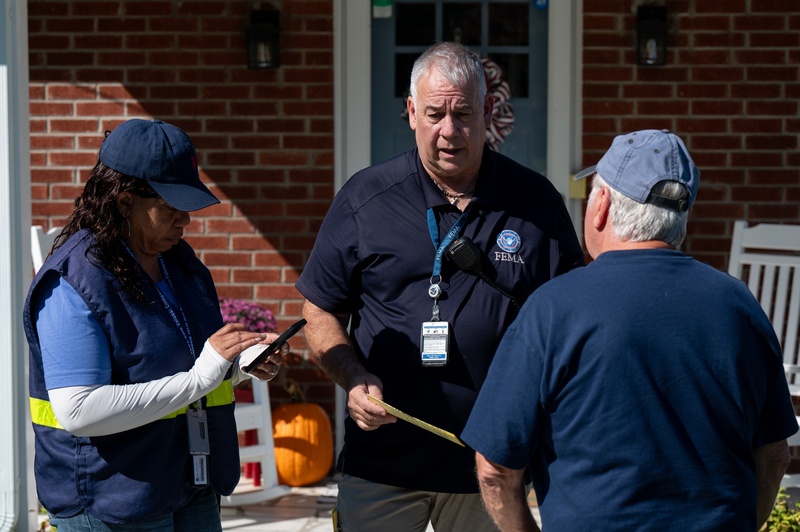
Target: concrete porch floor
305	509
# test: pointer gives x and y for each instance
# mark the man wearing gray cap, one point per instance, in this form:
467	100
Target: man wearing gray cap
644	391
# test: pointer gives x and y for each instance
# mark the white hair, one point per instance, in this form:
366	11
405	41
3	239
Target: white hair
454	62
641	222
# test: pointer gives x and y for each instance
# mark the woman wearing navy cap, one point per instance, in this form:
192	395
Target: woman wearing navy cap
132	370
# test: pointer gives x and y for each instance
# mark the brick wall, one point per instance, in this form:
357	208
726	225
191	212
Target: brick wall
264	137
730	89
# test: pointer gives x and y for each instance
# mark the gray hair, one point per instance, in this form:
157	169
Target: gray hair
454	62
640	222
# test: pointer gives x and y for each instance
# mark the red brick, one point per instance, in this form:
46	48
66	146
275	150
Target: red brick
40	142
322	125
284	158
157	10
225	58
72	159
615	108
719	40
149	41
99	109
70	25
756	23
716	142
147	76
773	211
227	259
748	91
48	42
757	74
774	177
45	9
205	75
174	25
716	107
99	41
775	6
666	107
50	175
60	192
198	7
73	126
51	109
69	58
224	92
721	7
230	225
783	108
755	159
96	8
114	92
750	194
774	40
117	57
104	75
261	275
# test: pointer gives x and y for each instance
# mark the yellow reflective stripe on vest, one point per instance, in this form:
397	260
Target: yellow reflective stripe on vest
42	411
42	414
222	395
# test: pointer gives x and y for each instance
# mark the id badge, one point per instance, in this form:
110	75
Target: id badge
198	431
200	462
198	444
434	343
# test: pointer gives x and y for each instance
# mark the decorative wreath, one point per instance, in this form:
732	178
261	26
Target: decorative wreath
503	113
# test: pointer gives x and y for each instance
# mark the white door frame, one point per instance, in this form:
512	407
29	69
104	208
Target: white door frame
352	82
18	504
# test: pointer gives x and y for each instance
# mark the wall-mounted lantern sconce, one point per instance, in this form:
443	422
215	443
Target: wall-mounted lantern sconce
263	39
651	35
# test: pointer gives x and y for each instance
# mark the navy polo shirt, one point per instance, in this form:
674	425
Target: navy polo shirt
373	260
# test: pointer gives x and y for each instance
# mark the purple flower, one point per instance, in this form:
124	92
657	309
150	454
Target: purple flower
256	316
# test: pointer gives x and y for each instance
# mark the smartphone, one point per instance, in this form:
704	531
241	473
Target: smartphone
274	346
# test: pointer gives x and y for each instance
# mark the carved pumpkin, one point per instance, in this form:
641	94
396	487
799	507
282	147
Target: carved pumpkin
303	440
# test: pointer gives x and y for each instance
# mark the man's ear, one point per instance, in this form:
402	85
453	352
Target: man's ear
412	113
602	206
488	108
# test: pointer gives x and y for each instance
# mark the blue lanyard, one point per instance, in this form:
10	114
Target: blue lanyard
183	326
448	239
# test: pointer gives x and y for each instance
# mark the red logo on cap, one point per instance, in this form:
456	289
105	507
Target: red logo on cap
194	162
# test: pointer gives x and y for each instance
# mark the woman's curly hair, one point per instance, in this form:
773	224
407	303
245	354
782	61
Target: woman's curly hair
96	211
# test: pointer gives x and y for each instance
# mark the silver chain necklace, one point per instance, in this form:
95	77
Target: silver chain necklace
453	198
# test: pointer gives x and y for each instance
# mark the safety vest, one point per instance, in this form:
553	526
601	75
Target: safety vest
144	472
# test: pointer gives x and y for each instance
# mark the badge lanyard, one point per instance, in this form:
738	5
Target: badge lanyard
434	290
196	419
435	335
182	324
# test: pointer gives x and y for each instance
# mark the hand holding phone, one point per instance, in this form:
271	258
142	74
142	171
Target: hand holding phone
274	346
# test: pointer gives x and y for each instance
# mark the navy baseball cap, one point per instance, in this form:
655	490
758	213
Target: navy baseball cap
636	161
161	154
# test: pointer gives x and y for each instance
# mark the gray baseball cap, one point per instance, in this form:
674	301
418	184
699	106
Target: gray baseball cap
636	161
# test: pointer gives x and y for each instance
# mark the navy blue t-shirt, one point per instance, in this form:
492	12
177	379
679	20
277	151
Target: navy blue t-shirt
636	389
373	259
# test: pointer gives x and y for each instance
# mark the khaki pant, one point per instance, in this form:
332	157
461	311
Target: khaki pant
364	506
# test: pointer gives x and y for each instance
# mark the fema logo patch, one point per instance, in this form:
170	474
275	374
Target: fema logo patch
509	241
